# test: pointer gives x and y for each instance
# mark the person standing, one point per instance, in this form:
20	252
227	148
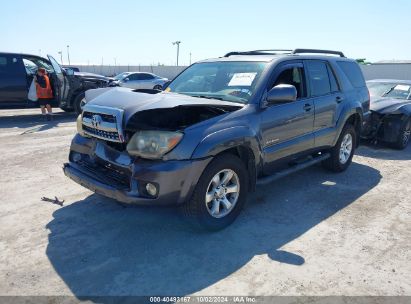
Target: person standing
44	92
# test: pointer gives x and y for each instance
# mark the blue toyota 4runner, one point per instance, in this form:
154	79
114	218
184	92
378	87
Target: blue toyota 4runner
220	128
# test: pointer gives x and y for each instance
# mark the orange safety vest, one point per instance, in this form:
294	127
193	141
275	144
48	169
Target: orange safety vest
43	93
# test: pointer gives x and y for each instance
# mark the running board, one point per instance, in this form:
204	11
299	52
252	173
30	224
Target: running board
268	179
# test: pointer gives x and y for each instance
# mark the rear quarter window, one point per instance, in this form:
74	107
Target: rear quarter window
9	64
353	72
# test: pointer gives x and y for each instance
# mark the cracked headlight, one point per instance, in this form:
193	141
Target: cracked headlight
153	144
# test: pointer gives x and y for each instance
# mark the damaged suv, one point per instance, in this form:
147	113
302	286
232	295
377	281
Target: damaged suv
218	129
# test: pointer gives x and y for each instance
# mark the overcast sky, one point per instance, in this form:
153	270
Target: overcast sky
141	32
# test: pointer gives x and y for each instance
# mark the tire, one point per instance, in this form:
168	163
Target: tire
158	87
207	199
77	102
340	160
68	110
403	137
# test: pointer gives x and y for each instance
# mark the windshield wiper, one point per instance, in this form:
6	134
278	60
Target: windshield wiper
207	97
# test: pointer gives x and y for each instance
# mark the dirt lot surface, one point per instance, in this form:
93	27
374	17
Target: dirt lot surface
312	233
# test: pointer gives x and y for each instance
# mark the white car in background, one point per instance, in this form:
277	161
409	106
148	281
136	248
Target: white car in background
139	80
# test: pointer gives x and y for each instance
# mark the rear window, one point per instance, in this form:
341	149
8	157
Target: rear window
353	73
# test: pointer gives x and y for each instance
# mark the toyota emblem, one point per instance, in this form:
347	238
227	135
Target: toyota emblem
96	121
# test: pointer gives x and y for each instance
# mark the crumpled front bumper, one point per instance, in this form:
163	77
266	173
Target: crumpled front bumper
114	174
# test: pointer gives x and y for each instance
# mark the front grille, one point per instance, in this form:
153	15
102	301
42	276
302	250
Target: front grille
103	123
105	117
101	134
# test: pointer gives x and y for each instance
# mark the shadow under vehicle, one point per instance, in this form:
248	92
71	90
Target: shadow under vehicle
17	72
103	249
390	119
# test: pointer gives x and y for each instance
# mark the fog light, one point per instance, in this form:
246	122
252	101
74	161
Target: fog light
151	189
76	157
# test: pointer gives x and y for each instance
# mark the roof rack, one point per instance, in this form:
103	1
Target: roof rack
281	51
260	52
314	51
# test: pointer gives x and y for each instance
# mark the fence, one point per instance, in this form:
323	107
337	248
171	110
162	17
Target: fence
372	71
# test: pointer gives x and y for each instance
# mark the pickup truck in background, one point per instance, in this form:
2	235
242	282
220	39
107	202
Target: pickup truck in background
219	129
16	75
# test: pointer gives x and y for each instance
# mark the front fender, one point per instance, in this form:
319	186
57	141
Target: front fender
228	138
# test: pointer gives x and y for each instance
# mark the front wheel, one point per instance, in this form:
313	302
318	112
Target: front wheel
158	87
219	195
343	152
403	138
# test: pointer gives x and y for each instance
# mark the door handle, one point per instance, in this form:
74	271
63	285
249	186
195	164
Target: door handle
307	107
339	99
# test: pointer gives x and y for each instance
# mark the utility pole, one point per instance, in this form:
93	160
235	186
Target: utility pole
178	48
61	57
190	58
68	54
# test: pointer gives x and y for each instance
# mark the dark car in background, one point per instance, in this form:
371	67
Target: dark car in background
390	119
218	129
16	75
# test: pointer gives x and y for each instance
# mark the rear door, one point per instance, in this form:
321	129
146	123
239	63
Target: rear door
325	92
60	84
287	129
13	81
146	81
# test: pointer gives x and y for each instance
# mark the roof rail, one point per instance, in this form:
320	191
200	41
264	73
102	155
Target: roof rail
260	52
282	51
314	51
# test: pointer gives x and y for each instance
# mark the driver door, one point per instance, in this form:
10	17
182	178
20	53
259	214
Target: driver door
61	83
287	129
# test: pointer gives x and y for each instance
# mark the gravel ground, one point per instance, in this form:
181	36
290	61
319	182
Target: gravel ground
311	233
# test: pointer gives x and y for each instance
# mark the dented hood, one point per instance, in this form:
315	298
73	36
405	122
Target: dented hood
132	102
385	105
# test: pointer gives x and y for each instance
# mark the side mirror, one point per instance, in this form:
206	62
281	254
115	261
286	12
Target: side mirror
70	72
282	93
126	79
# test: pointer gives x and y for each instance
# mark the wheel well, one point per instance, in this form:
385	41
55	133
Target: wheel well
355	120
247	157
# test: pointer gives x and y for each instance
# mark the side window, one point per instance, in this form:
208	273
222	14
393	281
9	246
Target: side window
30	66
146	76
353	73
293	76
9	65
318	75
333	80
3	65
133	77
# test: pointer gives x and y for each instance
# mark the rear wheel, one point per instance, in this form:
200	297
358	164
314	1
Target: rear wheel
79	102
403	138
219	195
343	152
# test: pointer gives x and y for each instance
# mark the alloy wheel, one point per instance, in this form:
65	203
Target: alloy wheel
346	148
222	193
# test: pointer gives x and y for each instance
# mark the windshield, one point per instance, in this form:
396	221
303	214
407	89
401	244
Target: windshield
230	81
121	76
393	90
